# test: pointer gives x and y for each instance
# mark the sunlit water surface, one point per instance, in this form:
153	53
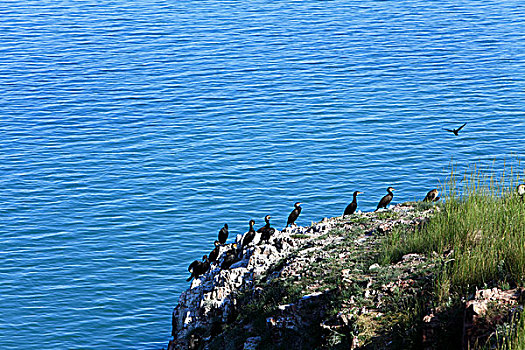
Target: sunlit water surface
130	132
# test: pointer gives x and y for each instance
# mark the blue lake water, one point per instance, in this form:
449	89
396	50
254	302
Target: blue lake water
130	132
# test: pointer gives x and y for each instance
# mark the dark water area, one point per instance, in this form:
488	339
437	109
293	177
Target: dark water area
130	132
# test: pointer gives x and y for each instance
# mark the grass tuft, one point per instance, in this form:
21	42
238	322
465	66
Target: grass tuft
479	235
484	228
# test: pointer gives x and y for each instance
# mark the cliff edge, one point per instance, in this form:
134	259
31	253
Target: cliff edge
325	286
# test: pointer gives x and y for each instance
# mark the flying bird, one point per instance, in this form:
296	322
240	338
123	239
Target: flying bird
455	131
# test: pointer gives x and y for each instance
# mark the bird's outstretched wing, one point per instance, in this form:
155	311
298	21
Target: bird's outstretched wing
461	127
448	130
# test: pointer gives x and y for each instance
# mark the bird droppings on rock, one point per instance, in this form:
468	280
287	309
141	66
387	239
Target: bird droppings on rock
322	280
374	267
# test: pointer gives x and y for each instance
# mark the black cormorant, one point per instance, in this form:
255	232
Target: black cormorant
230	257
198	268
432	196
455	131
267	221
386	199
266	231
350	209
250	235
223	234
294	214
214	254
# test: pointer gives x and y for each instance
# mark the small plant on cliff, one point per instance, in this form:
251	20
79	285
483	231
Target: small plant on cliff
512	337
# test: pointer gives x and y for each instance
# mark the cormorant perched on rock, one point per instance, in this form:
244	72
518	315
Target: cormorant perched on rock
386	199
350	209
521	190
250	235
294	214
432	196
198	268
215	252
230	257
455	131
223	234
266	231
267	220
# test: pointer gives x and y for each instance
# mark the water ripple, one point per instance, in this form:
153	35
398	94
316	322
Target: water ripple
130	133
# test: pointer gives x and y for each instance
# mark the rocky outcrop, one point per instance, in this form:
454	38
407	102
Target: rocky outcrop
211	301
329	286
487	309
308	269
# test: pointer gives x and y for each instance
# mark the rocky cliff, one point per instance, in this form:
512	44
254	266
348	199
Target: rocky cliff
321	286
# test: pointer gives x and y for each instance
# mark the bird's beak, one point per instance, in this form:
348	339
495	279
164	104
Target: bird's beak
393	189
360	192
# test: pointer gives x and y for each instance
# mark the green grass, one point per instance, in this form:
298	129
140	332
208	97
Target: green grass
476	239
358	219
484	228
479	233
513	336
382	215
299	236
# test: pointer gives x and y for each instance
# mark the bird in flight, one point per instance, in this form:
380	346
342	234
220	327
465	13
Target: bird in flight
456	131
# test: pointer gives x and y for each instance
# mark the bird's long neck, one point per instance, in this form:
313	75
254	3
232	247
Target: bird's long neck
390	192
355	198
